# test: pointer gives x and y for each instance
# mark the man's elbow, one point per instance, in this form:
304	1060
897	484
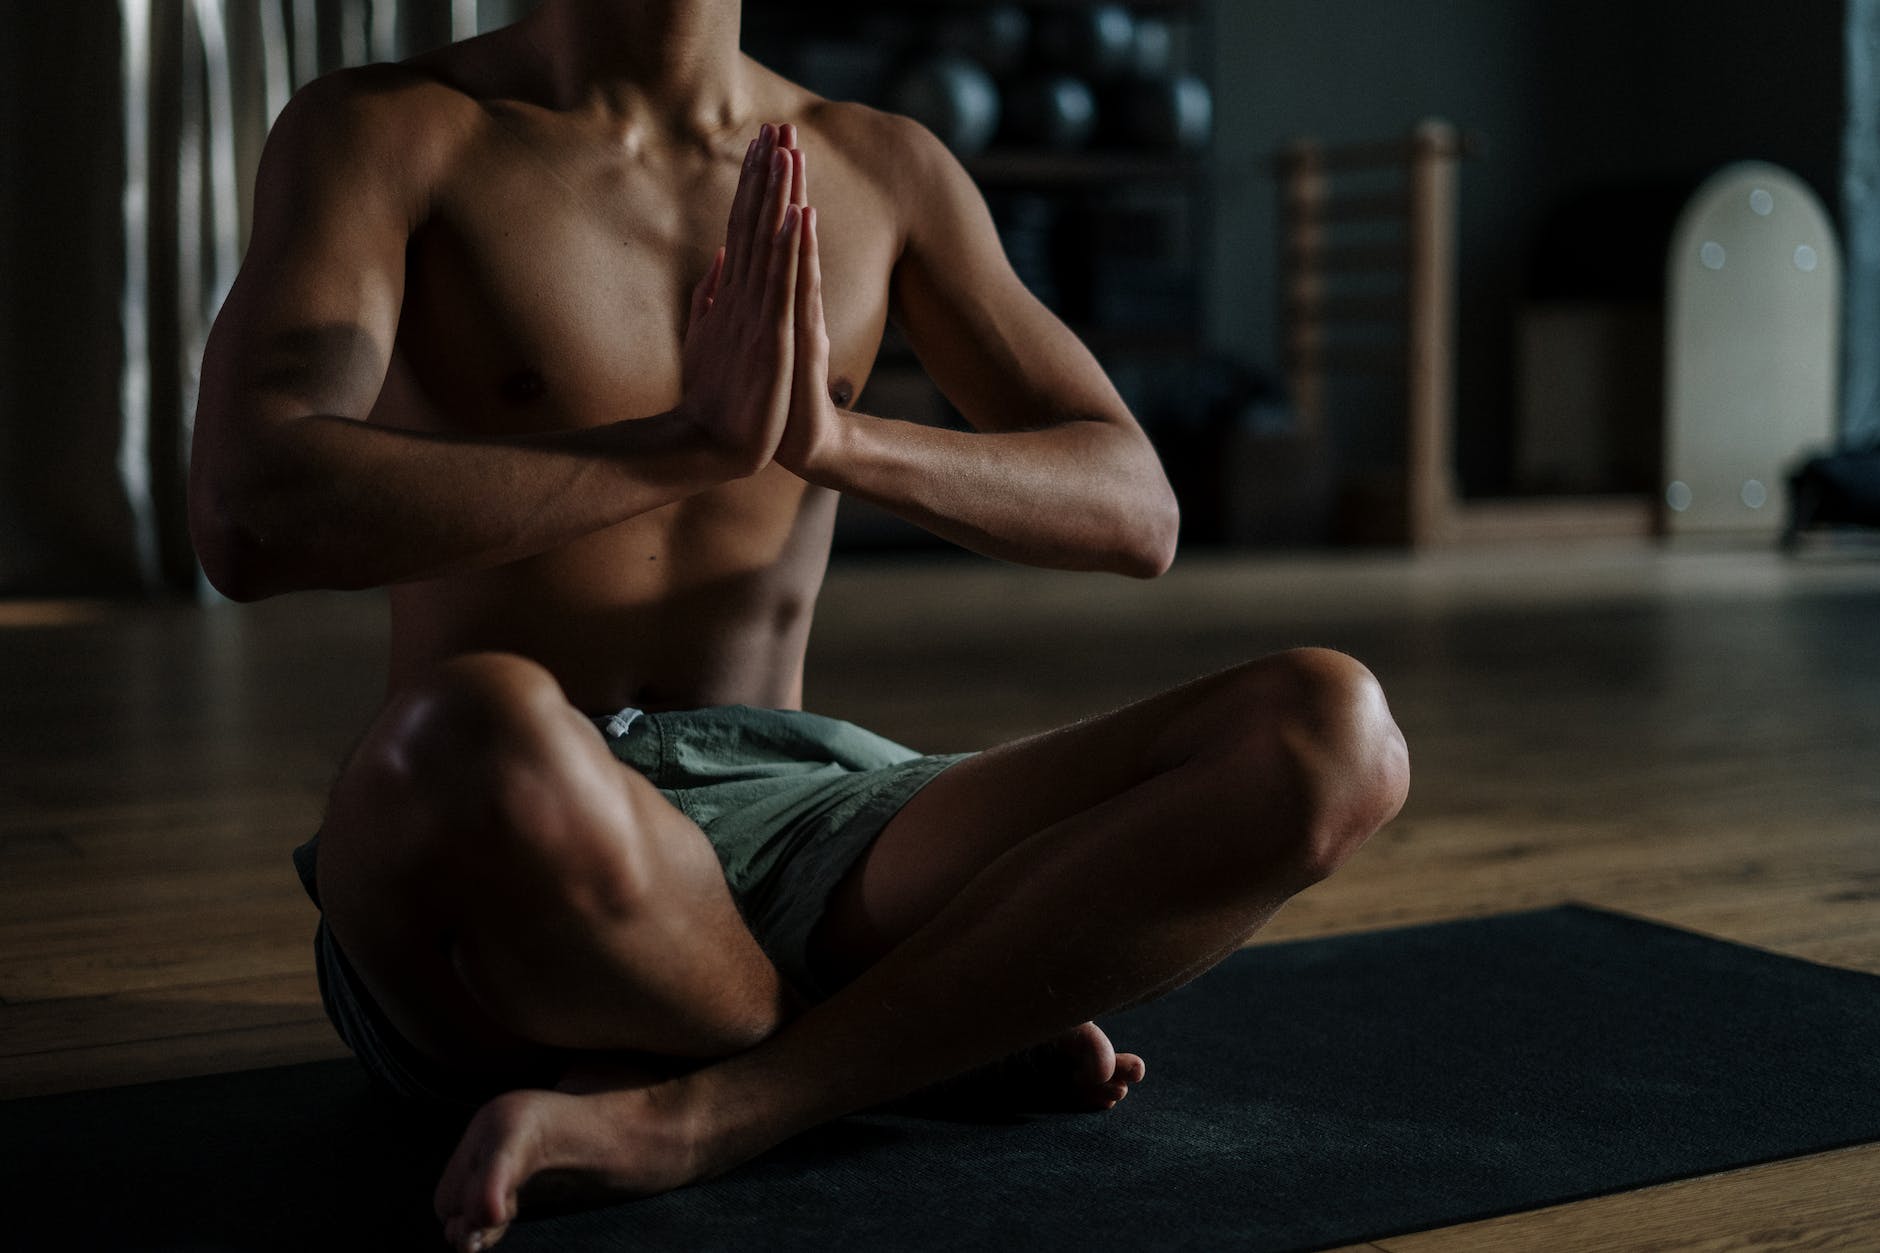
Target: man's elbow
228	570
1149	543
232	561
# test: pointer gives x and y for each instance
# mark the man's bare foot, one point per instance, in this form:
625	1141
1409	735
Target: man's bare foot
1076	1071
588	1144
560	1149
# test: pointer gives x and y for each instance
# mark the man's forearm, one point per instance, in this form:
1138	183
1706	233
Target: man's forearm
1083	495
337	503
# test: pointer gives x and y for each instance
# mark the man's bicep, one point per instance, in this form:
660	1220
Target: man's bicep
309	324
997	352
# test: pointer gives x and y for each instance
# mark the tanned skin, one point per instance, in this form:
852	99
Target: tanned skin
559	334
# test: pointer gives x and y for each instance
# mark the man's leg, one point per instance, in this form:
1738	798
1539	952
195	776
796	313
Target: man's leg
977	810
506	888
1068	875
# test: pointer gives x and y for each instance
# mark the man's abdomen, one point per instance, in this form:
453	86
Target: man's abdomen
706	602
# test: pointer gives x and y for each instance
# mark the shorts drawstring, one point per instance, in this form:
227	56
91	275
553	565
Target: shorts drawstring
617	725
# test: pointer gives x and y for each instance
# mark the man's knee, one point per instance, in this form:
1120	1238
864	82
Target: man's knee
1311	735
470	709
485	760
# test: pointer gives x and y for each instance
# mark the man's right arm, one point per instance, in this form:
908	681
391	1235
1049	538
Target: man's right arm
291	488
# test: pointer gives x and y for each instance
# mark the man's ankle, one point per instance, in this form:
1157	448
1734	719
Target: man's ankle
731	1112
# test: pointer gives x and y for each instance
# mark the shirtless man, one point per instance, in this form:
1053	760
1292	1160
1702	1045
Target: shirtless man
486	350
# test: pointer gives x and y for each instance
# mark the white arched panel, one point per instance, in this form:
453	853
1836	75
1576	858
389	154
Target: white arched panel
1752	347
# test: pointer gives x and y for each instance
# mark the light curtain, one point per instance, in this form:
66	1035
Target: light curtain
202	80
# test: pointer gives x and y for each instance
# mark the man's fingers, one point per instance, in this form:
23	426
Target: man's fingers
777	197
743	244
736	240
786	140
705	289
809	315
780	283
813	242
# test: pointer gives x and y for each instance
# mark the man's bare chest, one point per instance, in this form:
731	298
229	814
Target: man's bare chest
540	298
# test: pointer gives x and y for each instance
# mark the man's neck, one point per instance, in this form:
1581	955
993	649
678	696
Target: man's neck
671	66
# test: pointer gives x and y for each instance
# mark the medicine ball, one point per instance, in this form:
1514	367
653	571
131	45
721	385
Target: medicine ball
1172	114
1153	55
1055	111
1096	43
952	97
995	37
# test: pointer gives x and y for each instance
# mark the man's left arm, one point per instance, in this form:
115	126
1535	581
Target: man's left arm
1055	472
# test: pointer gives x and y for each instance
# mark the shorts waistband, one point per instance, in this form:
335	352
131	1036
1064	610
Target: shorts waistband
617	725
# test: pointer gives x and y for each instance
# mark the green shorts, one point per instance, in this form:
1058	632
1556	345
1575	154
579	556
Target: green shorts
789	801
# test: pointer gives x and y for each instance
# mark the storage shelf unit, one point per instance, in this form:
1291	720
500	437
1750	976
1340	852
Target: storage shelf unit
1115	238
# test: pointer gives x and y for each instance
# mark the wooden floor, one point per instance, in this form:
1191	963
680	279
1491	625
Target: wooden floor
1689	736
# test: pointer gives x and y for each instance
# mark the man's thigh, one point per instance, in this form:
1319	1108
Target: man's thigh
517	887
977	809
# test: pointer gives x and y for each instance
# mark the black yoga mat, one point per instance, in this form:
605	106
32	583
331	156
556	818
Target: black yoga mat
1299	1096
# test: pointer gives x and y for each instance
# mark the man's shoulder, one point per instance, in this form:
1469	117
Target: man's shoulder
398	101
892	143
387	120
904	160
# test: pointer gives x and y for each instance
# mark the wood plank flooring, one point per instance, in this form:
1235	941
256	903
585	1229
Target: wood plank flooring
1684	734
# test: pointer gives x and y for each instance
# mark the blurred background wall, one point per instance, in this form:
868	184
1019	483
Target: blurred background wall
1860	200
130	128
131	135
1596	118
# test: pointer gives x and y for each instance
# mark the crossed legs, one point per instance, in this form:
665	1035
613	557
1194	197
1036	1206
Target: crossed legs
1021	894
510	894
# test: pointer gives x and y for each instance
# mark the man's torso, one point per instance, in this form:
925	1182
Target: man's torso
548	289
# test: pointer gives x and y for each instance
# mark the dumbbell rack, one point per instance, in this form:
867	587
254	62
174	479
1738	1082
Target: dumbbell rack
1078	186
1077	179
